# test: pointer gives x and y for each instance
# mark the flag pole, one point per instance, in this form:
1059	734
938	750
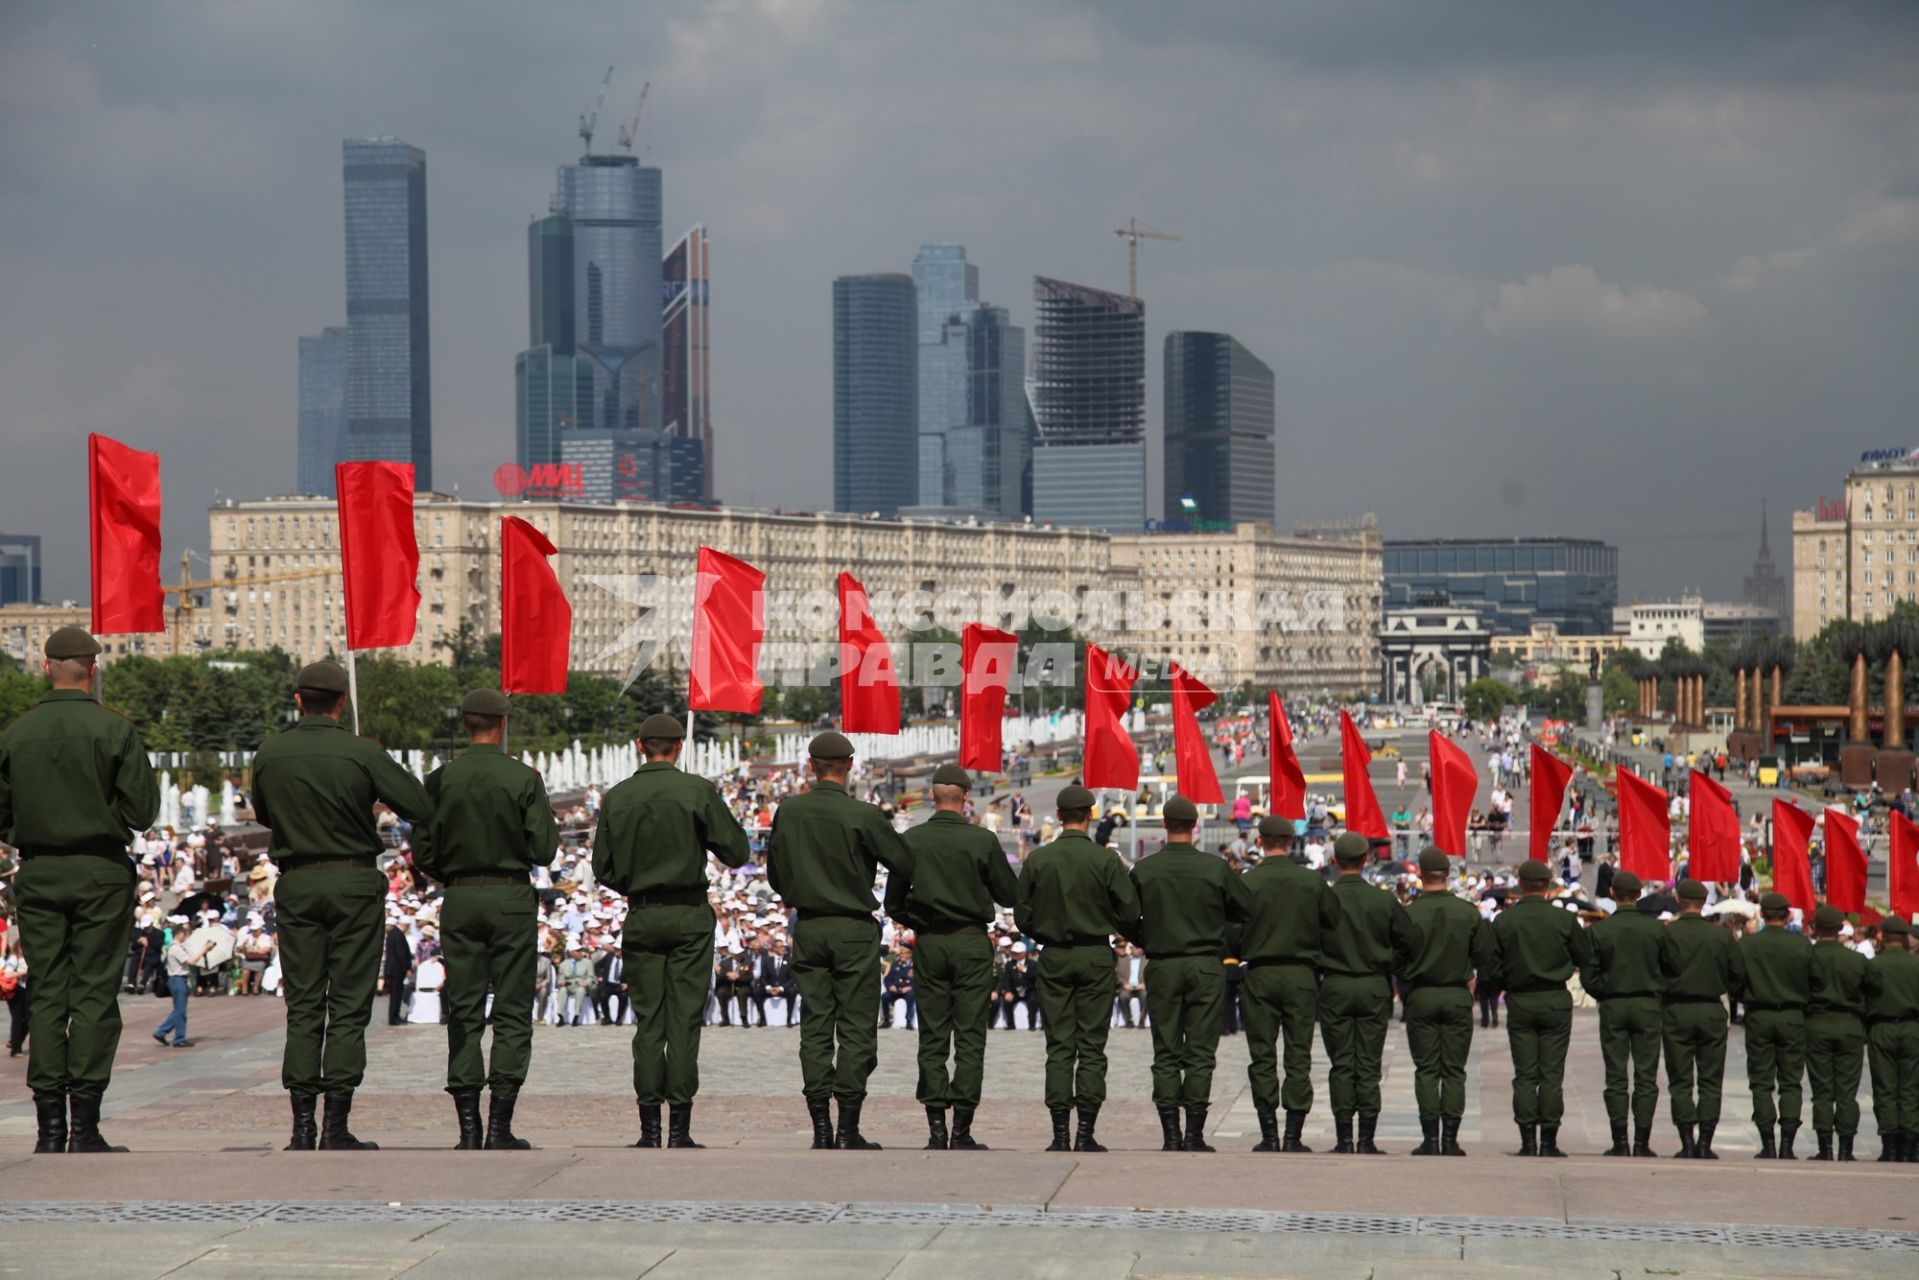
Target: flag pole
691	746
353	690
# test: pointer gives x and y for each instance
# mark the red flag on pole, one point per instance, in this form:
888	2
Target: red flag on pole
123	495
1845	863
1111	758
987	659
869	688
729	621
1455	782
379	556
1192	760
1287	779
1902	879
1712	832
536	622
1362	806
1791	857
1550	775
1645	829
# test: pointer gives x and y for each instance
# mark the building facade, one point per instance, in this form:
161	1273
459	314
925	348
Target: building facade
389	400
1857	558
1219	423
1431	653
25	629
686	331
1572	583
615	205
974	430
323	421
1820	573
19	568
875	394
1088	397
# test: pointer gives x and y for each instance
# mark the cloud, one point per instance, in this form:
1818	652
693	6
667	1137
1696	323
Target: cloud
1574	300
1883	219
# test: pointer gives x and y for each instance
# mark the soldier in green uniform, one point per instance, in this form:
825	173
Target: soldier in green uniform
1279	953
1702	966
1623	974
959	872
74	785
1454	942
1074	896
655	831
1540	947
1892	1039
315	786
1778	969
825	850
1839	984
1372	940
492	823
1187	900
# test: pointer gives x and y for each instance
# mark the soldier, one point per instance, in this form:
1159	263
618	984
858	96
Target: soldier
1453	942
1073	897
1540	946
1892	1021
1841	979
959	872
1623	974
315	786
1373	939
74	787
824	851
1702	966
1778	975
655	831
1187	900
1279	949
492	824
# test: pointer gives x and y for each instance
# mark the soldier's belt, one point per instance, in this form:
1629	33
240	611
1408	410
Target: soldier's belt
668	898
1671	999
297	863
1275	962
947	930
1893	1022
1628	995
1437	986
1774	1008
28	854
478	878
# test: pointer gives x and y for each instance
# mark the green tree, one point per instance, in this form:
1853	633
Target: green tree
1484	698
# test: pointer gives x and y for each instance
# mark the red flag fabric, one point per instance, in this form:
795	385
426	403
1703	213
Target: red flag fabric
1550	776
987	659
1902	877
1111	758
1712	832
1455	782
1287	779
869	687
536	622
1791	857
1192	759
1845	863
1362	805
729	621
379	555
1645	829
123	496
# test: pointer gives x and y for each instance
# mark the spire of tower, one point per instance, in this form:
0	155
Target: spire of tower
1765	553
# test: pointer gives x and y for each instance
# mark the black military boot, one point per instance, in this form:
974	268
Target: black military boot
936	1138
1766	1150
679	1127
962	1139
1825	1145
1365	1145
334	1135
1888	1148
1196	1130
1549	1142
849	1137
499	1123
1268	1129
1688	1143
818	1110
1062	1129
1619	1147
1170	1137
1449	1136
1084	1139
1845	1143
1295	1126
1642	1142
1909	1150
50	1110
466	1106
306	1132
650	1126
83	1135
1429	1136
1528	1140
1704	1150
1787	1132
1342	1134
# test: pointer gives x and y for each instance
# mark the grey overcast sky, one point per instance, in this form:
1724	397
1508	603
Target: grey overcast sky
1617	270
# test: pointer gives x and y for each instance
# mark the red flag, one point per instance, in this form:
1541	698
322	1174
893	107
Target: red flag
1550	775
1192	759
123	494
1645	829
1288	780
1791	861
729	621
1362	806
379	556
1712	832
987	659
1845	863
536	622
1903	870
1454	783
869	689
1111	758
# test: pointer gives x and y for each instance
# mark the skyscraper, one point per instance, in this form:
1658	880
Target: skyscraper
323	421
389	402
614	205
553	387
1765	586
1219	430
1088	395
19	568
972	403
688	410
875	393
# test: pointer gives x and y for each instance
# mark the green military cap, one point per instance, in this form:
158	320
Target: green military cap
1433	861
1828	919
1625	883
830	746
1776	903
321	677
1180	809
1894	927
661	725
484	702
1274	827
1075	797
1533	871
1351	846
1691	890
951	775
72	642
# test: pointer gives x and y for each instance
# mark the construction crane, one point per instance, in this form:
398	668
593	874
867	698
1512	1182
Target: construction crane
591	121
629	131
183	606
1132	233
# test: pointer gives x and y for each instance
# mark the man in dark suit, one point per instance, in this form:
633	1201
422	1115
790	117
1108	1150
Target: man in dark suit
772	979
609	995
395	963
732	982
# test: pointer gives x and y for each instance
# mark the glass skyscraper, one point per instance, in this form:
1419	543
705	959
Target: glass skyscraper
553	388
1572	583
875	393
614	205
323	420
1219	430
389	403
19	568
973	430
1088	396
686	329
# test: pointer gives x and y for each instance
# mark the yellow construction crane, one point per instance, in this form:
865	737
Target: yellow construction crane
183	605
1132	233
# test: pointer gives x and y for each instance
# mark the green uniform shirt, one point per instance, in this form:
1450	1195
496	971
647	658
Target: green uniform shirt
315	785
74	778
1373	937
490	817
827	847
959	872
1700	960
1186	899
1897	996
656	829
1840	980
1539	945
1073	892
1293	910
1623	959
1778	965
1453	941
